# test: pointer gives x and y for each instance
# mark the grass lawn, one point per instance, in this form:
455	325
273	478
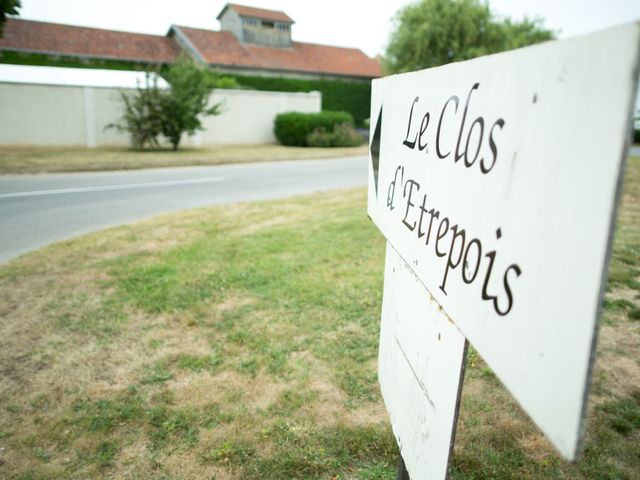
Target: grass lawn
40	159
240	342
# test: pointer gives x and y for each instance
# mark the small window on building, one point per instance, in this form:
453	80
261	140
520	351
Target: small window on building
267	24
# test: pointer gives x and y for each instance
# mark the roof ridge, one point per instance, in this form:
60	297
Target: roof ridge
233	4
259	12
177	30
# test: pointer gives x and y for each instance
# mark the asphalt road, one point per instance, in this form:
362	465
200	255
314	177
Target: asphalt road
36	210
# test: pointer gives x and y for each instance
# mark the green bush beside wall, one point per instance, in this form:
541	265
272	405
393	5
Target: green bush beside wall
337	95
342	135
293	128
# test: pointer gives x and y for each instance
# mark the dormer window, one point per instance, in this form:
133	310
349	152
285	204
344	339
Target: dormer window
256	25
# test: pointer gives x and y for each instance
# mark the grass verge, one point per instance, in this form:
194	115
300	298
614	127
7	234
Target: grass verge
240	342
39	159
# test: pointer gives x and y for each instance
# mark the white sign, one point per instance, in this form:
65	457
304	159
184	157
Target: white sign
497	180
420	368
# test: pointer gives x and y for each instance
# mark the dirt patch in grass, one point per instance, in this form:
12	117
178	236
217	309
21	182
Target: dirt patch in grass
616	369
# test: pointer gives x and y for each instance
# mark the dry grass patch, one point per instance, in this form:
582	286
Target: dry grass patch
241	343
193	345
55	159
617	371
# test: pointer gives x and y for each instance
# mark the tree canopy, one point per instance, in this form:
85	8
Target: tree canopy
435	32
7	7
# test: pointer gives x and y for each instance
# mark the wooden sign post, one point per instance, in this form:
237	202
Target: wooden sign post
496	181
425	381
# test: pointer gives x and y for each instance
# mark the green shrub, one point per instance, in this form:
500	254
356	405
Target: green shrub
293	128
143	115
342	135
337	95
345	135
636	136
320	138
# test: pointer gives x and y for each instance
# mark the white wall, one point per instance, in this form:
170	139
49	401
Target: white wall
41	115
247	115
77	116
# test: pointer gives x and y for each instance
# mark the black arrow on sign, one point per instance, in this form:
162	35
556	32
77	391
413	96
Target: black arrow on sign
375	149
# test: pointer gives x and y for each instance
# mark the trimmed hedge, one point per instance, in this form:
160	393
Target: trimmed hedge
293	128
352	97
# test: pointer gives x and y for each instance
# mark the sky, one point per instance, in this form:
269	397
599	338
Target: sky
363	24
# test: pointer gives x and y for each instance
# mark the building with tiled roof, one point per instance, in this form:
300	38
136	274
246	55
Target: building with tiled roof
224	51
251	41
28	36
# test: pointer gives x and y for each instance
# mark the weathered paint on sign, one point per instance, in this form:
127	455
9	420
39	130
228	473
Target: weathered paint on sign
497	180
421	361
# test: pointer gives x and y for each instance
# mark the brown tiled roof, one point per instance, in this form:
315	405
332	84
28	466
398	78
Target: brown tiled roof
258	13
42	37
224	49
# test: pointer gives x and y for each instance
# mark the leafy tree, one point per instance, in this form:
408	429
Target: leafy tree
188	99
435	32
526	32
151	112
143	114
7	7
